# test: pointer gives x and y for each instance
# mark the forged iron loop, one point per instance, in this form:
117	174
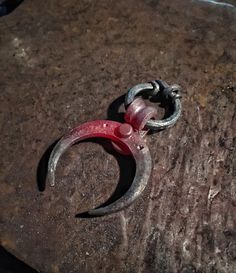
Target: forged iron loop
168	93
134	91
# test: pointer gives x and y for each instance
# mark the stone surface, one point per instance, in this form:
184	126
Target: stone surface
67	62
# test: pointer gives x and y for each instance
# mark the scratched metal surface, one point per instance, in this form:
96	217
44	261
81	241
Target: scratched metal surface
64	63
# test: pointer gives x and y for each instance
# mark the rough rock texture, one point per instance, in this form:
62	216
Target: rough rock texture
63	63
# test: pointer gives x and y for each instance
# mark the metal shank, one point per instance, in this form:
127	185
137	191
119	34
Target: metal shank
110	130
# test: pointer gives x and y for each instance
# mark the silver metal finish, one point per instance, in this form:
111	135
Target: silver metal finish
169	93
137	89
134	143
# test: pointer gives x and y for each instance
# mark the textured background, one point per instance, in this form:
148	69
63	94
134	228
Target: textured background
65	62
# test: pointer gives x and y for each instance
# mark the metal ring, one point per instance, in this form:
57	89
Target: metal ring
134	91
167	91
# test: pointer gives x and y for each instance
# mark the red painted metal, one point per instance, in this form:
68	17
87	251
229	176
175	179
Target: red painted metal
137	114
127	138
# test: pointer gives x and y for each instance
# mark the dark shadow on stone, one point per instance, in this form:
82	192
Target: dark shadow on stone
153	3
10	264
166	104
43	167
113	111
127	172
7	6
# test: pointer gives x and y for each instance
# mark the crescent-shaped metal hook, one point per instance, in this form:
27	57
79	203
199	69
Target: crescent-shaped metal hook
126	139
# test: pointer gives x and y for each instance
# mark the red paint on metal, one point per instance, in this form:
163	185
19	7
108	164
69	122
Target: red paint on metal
137	114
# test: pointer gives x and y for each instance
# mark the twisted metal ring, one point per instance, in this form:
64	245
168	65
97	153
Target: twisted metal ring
169	93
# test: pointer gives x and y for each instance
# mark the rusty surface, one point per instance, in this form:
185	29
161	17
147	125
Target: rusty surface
64	63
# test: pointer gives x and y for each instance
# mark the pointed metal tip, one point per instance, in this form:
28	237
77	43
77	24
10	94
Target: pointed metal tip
98	212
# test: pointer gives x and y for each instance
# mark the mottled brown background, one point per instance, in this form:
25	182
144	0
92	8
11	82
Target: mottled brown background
63	63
